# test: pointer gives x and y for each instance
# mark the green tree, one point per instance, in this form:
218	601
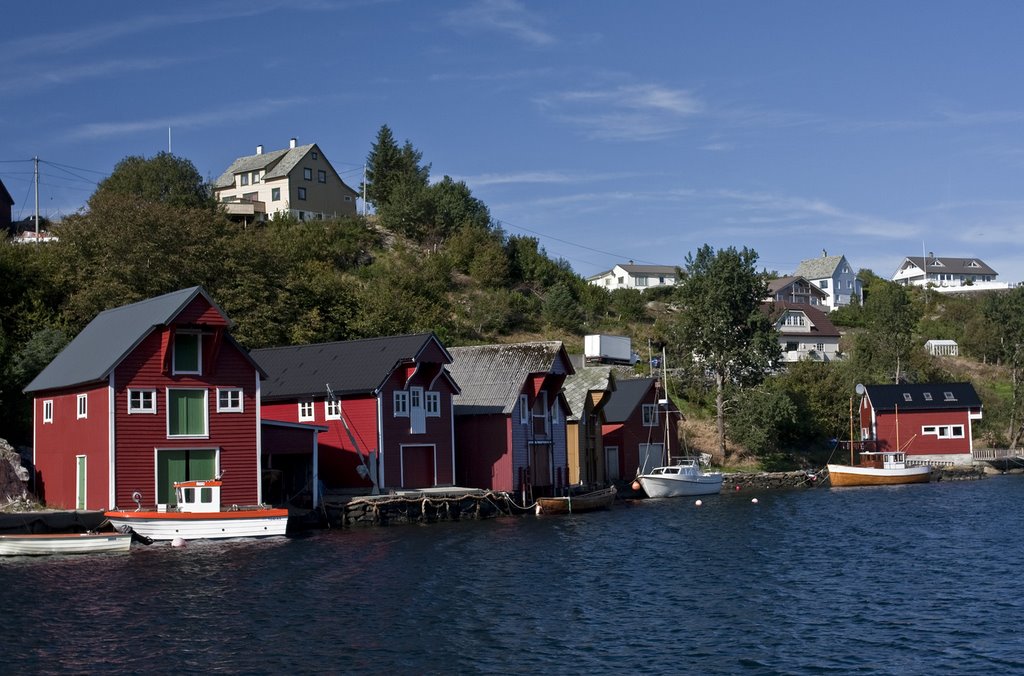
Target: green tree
1005	313
561	308
762	421
721	330
163	178
891	317
389	165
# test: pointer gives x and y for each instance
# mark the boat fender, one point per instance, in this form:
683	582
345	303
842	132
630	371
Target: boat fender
636	486
178	542
699	503
234	508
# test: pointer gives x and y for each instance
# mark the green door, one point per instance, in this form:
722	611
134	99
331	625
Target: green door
79	482
182	465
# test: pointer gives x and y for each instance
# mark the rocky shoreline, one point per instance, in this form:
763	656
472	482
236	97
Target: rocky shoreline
732	481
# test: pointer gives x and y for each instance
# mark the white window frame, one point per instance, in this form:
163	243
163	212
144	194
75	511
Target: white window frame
206	412
141	407
432	404
83	406
275	194
306	411
649	415
332	409
400	404
199	353
230	406
524	410
47	411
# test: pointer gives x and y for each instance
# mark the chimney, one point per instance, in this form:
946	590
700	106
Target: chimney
259	150
291	144
824	254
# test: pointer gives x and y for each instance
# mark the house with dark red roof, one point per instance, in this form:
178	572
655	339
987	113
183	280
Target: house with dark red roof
805	332
148	394
386	404
931	423
510	419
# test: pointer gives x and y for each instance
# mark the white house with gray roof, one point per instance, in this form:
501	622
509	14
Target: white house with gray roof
947	274
297	180
632	276
835	276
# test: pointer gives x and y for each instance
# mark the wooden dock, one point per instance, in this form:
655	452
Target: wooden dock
418	506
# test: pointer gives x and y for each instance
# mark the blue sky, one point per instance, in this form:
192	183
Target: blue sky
611	130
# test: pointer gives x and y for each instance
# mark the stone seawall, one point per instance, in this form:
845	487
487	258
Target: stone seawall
771	480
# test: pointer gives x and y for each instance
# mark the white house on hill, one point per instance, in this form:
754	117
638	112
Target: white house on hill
296	180
947	275
835	276
632	276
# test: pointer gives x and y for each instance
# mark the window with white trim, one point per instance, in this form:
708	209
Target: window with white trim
48	411
305	411
83	406
907	396
229	400
949	396
141	401
432	404
332	409
944	431
401	404
927	396
187	413
188	352
649	413
795	319
416	397
524	409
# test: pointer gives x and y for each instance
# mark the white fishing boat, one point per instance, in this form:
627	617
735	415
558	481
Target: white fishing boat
39	544
679	480
199	516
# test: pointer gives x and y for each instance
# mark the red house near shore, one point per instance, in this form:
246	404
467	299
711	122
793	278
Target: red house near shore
639	423
386	404
510	420
148	394
931	423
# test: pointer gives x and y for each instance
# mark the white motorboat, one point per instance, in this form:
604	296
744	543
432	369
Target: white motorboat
199	516
682	479
38	544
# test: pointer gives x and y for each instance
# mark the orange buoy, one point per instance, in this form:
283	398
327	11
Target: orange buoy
636	485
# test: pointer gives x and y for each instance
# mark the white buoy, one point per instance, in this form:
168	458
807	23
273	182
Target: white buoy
699	503
178	542
754	500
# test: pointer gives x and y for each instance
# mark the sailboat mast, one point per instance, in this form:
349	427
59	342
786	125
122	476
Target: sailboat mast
897	427
851	431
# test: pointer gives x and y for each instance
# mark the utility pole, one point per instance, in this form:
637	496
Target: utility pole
35	162
364	189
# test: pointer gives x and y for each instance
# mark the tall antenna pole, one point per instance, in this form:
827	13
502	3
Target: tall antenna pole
364	189
35	161
168	140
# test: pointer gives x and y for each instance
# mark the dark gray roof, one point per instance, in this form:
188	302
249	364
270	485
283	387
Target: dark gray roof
109	337
349	367
822	267
821	325
888	397
587	379
627	396
957	266
491	376
4	195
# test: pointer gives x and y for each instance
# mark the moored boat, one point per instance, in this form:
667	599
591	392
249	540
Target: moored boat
879	468
199	516
681	479
38	544
571	504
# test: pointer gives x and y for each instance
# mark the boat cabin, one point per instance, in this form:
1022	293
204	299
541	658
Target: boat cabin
198	496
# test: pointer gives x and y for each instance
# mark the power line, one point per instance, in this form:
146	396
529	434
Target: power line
581	246
68	166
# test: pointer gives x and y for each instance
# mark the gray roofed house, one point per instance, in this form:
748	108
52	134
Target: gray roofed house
796	289
947	274
587	392
348	367
628	395
492	376
835	276
633	276
110	336
298	180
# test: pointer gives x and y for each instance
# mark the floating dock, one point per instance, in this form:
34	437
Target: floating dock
425	505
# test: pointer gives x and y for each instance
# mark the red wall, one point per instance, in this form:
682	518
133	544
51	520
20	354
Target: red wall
629	434
57	444
483	455
910	424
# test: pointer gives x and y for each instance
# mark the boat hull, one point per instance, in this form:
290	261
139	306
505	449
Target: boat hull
587	502
207	525
64	543
680	486
844	475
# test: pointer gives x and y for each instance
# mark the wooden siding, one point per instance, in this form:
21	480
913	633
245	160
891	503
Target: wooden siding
630	434
910	438
139	435
58	443
483	459
437	430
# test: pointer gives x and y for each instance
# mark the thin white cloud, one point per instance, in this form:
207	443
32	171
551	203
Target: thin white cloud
54	77
255	109
508	17
540	177
640	112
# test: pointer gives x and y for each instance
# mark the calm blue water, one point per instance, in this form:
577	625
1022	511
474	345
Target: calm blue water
913	579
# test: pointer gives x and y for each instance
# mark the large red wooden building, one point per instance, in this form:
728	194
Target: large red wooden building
931	423
639	427
148	394
387	399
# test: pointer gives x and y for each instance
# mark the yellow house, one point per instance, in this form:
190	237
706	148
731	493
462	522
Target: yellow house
297	180
587	391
